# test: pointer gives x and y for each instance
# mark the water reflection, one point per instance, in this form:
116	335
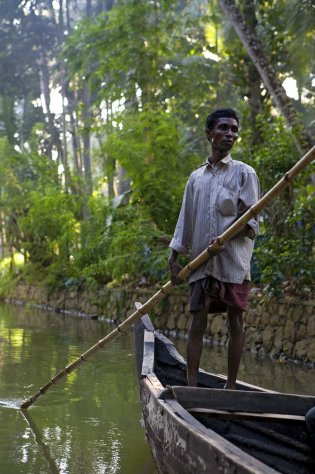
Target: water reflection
40	442
88	423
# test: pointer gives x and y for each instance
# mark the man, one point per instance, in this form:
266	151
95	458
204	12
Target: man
216	195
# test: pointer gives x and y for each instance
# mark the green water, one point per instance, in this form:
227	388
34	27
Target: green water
89	423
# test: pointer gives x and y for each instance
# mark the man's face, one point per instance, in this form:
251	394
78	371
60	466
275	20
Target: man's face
224	133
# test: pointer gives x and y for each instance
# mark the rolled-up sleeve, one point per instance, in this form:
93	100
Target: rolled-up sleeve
182	238
249	195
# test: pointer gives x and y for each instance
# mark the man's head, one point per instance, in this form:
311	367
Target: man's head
222	129
220	113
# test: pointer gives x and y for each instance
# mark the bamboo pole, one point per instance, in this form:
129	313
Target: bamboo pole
183	274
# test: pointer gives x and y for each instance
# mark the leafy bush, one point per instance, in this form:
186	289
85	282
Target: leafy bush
137	250
287	250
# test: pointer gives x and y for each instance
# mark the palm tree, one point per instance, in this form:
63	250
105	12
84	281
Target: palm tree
268	75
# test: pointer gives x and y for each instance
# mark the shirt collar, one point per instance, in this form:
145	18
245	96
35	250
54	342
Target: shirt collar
224	160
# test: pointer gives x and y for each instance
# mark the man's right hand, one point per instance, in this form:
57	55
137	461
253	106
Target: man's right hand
217	250
175	268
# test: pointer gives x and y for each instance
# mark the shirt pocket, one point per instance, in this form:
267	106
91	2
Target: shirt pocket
226	202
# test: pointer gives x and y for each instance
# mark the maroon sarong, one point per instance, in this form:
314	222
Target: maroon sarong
218	295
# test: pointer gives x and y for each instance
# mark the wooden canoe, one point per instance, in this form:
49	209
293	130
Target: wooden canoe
209	430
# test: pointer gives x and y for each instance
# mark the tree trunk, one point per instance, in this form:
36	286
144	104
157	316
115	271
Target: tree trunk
267	73
87	140
63	96
86	135
75	140
8	117
44	75
68	16
255	98
2	232
123	181
71	97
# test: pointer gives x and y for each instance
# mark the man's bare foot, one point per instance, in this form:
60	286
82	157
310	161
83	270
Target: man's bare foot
229	386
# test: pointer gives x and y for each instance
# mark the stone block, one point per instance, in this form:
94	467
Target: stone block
183	321
251	316
250	335
276	320
288	348
311	350
311	327
278	339
300	349
217	326
282	310
301	333
159	322
267	337
289	331
171	322
265	318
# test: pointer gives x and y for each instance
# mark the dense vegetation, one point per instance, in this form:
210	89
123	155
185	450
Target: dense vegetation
102	111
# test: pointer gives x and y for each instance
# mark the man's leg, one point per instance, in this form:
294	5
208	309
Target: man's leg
196	331
236	345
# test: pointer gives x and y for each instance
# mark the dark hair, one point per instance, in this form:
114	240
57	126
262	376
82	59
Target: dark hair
219	113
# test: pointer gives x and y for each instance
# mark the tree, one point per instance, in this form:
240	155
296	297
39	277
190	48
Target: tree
272	83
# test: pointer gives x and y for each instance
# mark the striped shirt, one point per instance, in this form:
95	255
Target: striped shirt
215	197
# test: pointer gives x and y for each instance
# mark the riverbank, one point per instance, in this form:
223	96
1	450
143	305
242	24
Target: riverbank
281	328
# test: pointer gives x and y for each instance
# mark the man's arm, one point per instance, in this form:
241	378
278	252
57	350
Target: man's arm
174	267
249	195
181	240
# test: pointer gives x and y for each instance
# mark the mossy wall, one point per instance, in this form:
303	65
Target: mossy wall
281	328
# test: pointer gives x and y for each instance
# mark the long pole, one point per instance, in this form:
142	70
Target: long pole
183	274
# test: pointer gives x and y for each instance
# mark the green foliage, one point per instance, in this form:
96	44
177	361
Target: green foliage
155	70
277	152
137	250
89	258
119	244
10	268
40	223
147	146
49	227
286	249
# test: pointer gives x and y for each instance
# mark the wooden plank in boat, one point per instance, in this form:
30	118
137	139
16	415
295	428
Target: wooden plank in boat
239	400
148	353
240	384
218	446
244	414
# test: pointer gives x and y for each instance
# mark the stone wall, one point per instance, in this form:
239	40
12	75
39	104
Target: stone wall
281	328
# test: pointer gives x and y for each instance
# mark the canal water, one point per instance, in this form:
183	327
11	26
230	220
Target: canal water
91	422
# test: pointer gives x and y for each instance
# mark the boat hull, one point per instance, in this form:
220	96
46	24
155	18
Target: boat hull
208	430
180	444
